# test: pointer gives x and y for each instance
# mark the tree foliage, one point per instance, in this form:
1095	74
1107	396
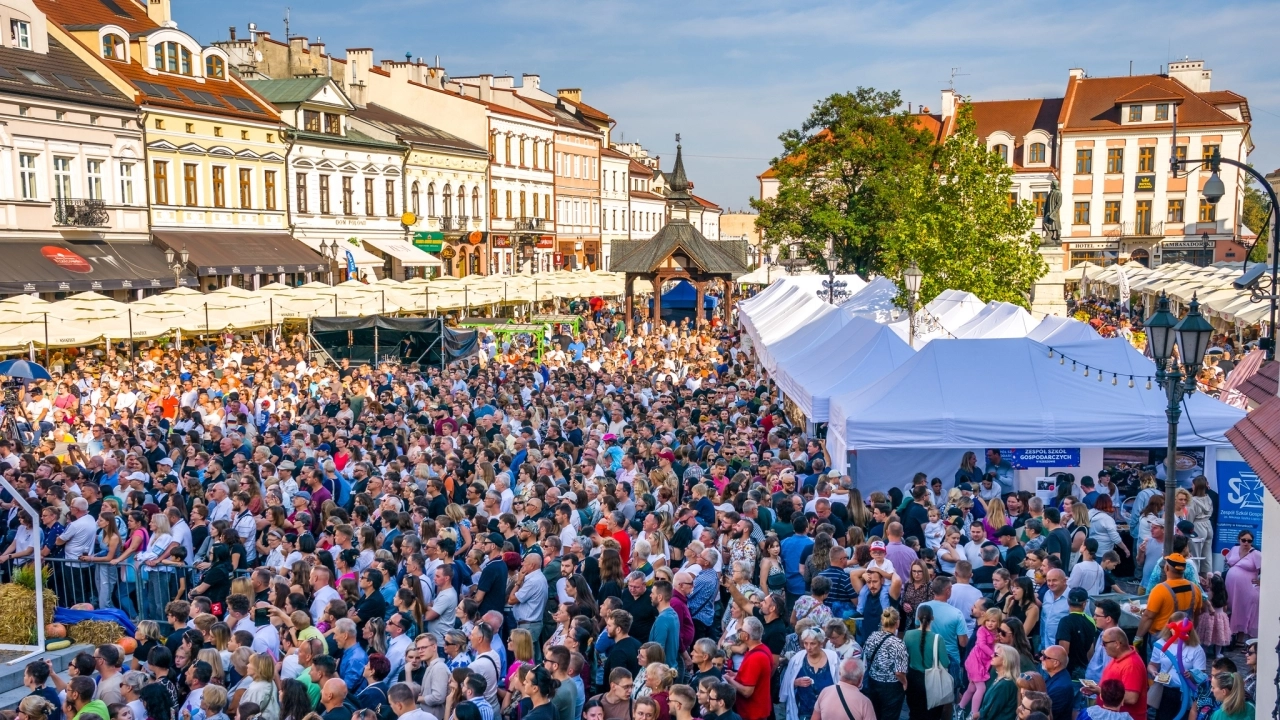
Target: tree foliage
1254	215
865	178
962	230
838	179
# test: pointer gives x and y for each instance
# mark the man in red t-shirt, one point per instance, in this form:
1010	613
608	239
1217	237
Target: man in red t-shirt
752	680
1127	667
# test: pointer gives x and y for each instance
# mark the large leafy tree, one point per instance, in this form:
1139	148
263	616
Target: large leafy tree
1257	207
839	180
961	229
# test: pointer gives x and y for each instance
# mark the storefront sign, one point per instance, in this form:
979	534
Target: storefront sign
1188	244
546	242
501	241
428	241
1144	183
475	237
1240	507
448	253
66	259
1043	457
1113	245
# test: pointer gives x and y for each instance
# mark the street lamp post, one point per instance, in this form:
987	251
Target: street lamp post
1261	286
1191	337
177	262
911	278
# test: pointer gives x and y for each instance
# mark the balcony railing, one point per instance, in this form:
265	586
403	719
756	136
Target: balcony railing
529	223
80	212
448	223
1134	229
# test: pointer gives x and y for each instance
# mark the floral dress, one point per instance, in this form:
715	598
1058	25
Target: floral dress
815	610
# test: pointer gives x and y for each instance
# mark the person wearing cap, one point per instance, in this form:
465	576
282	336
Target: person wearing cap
1175	594
1076	632
491	590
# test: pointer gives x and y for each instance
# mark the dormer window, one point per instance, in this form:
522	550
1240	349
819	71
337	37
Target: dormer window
113	47
1162	111
332	124
215	67
1036	153
20	34
311	121
1135	113
172	57
1003	151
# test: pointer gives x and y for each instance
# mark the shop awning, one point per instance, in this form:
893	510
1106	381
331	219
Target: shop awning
63	266
363	258
249	253
405	252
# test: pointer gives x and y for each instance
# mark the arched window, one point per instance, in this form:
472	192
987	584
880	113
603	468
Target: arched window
1037	153
172	57
431	199
462	201
214	67
113	47
1002	150
413	197
475	202
448	201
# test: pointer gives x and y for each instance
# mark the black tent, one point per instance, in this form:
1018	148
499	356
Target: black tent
422	340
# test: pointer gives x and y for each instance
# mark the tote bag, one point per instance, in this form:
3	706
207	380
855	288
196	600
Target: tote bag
938	685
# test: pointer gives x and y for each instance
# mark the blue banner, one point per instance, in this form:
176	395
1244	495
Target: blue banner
1239	504
1022	459
351	266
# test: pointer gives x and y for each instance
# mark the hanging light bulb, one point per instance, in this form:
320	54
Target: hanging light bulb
1099	376
1073	366
1130	381
1050	352
1062	360
1148	383
1086	371
1114	380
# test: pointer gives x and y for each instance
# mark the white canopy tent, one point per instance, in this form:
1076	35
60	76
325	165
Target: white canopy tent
997	320
944	314
815	332
862	352
763	275
875	302
962	395
804	308
1054	329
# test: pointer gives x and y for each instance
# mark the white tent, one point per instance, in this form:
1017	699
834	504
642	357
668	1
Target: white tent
763	275
875	302
820	327
1054	329
974	394
788	300
804	308
862	352
941	317
997	320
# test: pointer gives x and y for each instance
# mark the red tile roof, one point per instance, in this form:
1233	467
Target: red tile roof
1018	118
222	92
610	152
1149	93
770	173
642	195
638	168
704	202
1260	387
1257	439
591	112
1092	103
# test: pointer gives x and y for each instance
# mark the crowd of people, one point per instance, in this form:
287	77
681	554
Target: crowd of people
632	530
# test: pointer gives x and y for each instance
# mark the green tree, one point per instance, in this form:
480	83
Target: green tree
839	180
960	227
1257	207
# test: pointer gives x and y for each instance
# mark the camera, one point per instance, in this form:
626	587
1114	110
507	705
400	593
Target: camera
1249	280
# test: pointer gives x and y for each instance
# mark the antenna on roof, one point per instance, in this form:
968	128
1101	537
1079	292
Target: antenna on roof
1130	68
286	24
955	73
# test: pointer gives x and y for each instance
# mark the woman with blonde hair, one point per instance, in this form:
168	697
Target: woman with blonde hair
214	658
520	650
1190	657
262	689
859	514
1228	690
658	677
35	707
996	517
1000	702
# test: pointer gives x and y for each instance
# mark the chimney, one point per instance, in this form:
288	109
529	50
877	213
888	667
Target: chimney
359	60
948	103
232	31
531	82
486	88
435	78
571	94
160	13
504	82
317	47
297	43
1076	73
1192	74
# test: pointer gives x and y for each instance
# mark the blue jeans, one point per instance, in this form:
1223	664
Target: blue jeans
158	592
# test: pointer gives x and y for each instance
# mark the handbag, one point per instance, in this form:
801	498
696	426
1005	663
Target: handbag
939	687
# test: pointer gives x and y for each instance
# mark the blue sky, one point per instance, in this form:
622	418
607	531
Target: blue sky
731	76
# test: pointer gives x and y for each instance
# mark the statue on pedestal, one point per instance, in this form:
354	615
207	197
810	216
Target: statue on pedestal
1051	223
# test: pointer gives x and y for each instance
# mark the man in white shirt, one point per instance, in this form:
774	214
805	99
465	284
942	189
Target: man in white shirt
324	592
76	541
529	597
398	643
244	524
220	507
439	616
404	704
487	659
181	532
964	595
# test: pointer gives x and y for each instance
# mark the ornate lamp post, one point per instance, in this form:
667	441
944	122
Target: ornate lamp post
176	267
911	278
1191	337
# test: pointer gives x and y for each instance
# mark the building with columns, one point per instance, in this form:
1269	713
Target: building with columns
615	179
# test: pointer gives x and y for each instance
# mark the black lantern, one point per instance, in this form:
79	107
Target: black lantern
1160	333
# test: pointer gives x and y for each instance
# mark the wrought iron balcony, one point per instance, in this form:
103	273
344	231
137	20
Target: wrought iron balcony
1134	229
80	212
529	223
448	223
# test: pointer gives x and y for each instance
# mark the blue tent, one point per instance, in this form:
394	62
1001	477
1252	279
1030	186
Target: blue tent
678	302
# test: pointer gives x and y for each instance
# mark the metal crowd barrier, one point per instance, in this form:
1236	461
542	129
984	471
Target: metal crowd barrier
141	592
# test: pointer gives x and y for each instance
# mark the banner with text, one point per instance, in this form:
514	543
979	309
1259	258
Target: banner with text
1023	458
1239	501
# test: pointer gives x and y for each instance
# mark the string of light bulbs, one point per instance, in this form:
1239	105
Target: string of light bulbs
1100	372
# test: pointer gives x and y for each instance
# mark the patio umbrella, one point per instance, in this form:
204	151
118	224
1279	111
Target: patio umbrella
24	369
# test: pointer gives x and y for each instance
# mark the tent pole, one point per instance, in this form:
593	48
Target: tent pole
130	336
384	301
335	306
466	302
46	340
271	318
375	343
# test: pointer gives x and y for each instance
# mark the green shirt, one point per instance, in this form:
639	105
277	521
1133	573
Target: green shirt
95	707
313	690
1245	714
921	661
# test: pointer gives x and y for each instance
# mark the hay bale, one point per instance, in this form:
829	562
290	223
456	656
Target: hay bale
95	632
18	621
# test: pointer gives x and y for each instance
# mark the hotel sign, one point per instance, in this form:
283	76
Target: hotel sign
1144	183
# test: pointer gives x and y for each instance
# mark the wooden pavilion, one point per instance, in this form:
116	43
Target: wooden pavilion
679	251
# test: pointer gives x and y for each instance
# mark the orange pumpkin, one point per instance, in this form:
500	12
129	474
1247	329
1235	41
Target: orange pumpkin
128	644
54	631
